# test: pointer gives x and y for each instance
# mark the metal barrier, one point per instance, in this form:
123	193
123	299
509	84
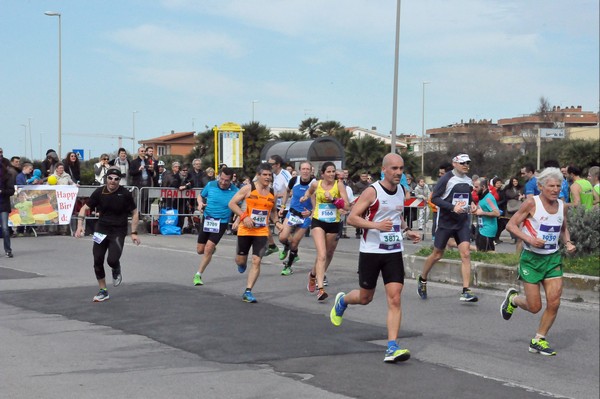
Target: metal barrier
154	199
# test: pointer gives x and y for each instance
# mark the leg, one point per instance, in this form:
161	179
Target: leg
465	256
254	272
208	250
430	261
99	251
330	246
393	292
6	233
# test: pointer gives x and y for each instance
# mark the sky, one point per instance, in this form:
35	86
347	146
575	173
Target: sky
185	65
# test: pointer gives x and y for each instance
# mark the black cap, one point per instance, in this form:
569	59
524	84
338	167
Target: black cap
113	170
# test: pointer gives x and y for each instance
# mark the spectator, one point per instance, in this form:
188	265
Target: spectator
487	213
209	176
196	174
122	162
158	176
422	192
15	162
513	194
582	192
141	175
100	168
49	164
7	190
593	177
72	166
496	182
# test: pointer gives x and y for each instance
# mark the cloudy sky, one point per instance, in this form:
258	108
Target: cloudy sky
187	64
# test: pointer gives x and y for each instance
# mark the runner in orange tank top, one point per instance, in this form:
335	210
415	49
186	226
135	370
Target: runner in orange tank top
253	230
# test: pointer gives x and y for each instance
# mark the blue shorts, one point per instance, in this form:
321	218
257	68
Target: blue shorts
304	225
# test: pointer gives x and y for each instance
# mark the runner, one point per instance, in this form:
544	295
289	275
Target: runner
543	219
214	201
330	199
297	220
253	230
452	196
378	211
114	204
281	178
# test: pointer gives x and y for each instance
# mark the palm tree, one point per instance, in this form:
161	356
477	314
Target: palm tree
365	153
204	148
311	127
293	136
331	128
343	136
255	138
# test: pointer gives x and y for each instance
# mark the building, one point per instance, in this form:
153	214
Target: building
172	144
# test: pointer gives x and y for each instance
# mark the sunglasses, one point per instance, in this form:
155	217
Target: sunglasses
113	178
184	170
105	159
465	163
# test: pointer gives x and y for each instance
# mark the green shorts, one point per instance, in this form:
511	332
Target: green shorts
534	268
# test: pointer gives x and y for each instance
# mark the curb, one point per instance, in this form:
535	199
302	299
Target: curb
576	287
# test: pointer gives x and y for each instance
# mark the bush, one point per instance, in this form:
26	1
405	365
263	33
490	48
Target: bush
584	227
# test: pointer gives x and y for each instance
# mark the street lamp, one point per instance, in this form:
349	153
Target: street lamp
423	132
25	126
57	14
253	102
133	123
396	56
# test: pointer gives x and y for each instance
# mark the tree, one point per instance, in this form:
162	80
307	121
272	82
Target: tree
311	127
365	153
293	136
204	148
255	138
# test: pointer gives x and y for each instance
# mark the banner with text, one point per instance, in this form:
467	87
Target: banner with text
42	205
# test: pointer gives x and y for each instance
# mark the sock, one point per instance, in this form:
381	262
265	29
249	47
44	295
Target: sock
539	336
292	257
272	246
286	247
392	344
465	289
198	273
248	289
423	280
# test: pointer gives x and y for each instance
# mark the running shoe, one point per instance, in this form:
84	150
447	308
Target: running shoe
507	308
9	254
541	346
272	250
101	296
241	268
117	277
321	295
395	354
312	283
422	287
337	311
287	271
248	297
283	253
468	296
325	282
198	279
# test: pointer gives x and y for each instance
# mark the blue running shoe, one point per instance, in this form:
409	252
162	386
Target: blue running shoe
422	287
248	297
337	311
241	268
541	346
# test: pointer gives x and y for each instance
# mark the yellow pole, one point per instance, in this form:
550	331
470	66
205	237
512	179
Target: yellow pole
216	130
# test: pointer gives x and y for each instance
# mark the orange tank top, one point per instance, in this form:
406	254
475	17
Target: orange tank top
259	209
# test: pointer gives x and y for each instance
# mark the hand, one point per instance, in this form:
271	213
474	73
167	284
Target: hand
479	212
414	236
135	239
536	242
571	248
79	232
385	225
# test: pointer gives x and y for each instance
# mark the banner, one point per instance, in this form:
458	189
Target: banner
42	205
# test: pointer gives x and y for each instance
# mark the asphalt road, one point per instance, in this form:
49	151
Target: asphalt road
160	337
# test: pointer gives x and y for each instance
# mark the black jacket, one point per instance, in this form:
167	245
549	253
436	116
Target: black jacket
135	173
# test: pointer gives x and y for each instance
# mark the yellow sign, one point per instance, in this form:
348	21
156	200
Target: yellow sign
229	145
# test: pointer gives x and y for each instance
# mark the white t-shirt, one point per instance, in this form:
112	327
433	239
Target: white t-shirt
280	183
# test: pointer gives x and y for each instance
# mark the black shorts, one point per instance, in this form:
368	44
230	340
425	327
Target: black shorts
391	267
442	236
258	244
485	244
329	228
204	236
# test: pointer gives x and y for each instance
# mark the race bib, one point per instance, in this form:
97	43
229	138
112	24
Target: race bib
294	220
211	225
550	234
259	218
327	212
391	240
462	199
98	237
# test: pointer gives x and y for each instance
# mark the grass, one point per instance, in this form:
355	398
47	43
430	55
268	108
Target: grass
588	265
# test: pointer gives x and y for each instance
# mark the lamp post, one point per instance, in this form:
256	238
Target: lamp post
57	14
396	56
25	126
253	102
423	132
30	139
133	131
